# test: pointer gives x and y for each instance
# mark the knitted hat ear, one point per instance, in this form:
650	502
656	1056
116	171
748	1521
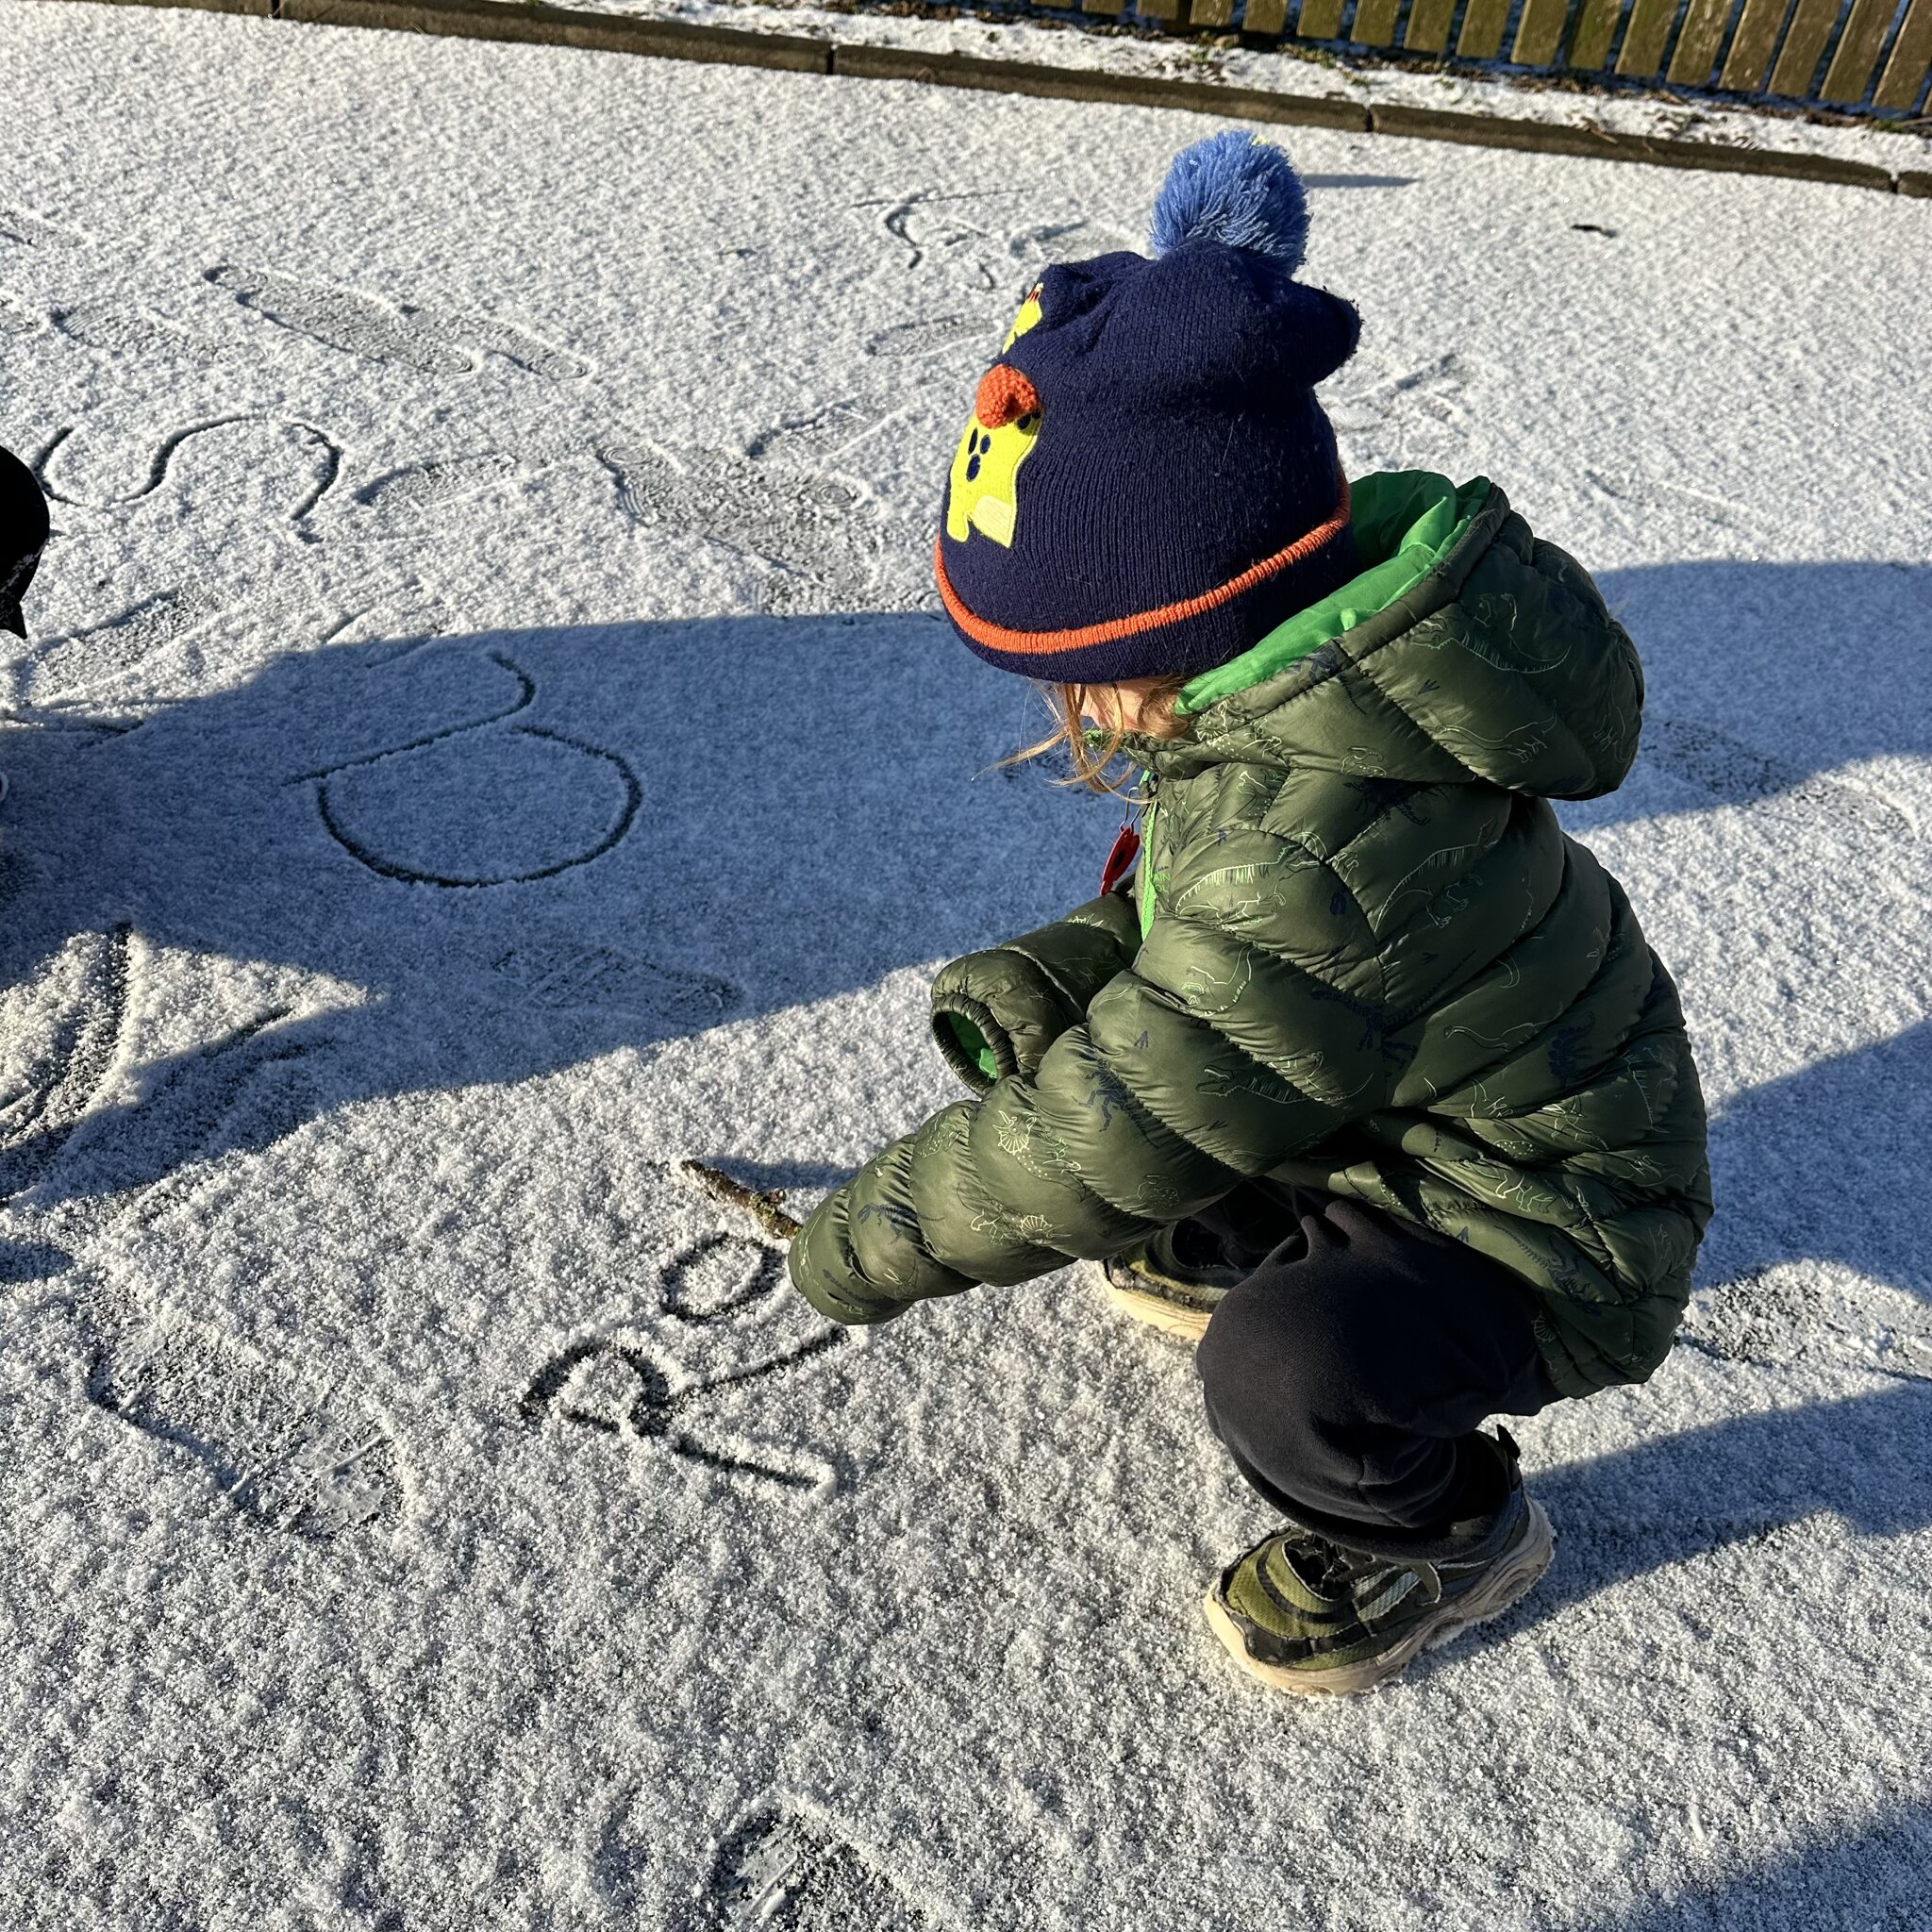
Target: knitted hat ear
1067	291
1319	333
1238	191
1209	321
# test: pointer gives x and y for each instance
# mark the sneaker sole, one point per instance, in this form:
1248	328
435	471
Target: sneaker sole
1183	1321
1170	1310
1509	1585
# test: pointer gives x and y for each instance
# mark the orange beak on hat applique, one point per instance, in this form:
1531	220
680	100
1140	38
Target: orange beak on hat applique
984	494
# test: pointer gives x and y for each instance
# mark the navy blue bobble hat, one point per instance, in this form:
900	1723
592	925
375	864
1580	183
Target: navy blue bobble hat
1147	485
22	536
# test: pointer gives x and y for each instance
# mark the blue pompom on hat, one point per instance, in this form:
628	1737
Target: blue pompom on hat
1238	189
1147	485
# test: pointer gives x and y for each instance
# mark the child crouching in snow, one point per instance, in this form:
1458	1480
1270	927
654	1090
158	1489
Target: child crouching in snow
1368	1078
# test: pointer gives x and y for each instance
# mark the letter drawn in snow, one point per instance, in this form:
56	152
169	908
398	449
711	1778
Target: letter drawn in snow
651	1388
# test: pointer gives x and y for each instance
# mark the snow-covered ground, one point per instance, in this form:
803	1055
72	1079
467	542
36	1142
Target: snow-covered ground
485	738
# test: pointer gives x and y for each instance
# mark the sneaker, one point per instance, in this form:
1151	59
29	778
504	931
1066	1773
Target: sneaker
1174	1282
1306	1615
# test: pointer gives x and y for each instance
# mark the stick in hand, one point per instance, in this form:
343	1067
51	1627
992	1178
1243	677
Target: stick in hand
764	1208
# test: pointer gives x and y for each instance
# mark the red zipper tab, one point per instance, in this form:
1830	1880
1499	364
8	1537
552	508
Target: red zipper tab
1120	861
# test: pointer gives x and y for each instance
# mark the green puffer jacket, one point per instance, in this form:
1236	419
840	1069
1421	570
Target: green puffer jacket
1366	959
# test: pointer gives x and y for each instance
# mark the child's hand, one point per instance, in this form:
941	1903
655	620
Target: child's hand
825	1271
865	1252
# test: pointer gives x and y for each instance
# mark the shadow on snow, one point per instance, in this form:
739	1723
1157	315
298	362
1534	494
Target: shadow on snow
518	850
1873	1879
510	853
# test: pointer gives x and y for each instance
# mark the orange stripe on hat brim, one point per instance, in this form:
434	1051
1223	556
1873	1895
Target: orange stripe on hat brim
1042	643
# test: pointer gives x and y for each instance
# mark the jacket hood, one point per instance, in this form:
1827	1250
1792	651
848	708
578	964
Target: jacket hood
1463	648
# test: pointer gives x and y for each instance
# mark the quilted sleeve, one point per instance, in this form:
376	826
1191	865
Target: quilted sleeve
1210	1060
996	1013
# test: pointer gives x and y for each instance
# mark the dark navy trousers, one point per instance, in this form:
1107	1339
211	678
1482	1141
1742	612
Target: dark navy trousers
1347	1372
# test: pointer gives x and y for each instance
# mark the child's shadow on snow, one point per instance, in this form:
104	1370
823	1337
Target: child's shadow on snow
505	854
1873	1876
1818	1166
1675	1498
1827	1162
1762	679
523	849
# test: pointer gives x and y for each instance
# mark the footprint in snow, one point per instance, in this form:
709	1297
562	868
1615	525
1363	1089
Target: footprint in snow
821	434
562	976
821	546
59	1031
1781	1317
406	498
24	227
788	1869
73	663
431	341
128	332
283	1449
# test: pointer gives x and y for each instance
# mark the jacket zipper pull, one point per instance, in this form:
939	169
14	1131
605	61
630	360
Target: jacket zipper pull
1120	860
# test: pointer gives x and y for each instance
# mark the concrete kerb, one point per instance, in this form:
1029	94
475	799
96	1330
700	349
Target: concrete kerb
257	10
1554	138
866	63
540	23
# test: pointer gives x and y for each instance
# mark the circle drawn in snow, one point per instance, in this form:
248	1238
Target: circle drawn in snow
720	1275
494	806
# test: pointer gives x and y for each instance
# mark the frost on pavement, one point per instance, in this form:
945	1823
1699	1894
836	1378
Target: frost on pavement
485	740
